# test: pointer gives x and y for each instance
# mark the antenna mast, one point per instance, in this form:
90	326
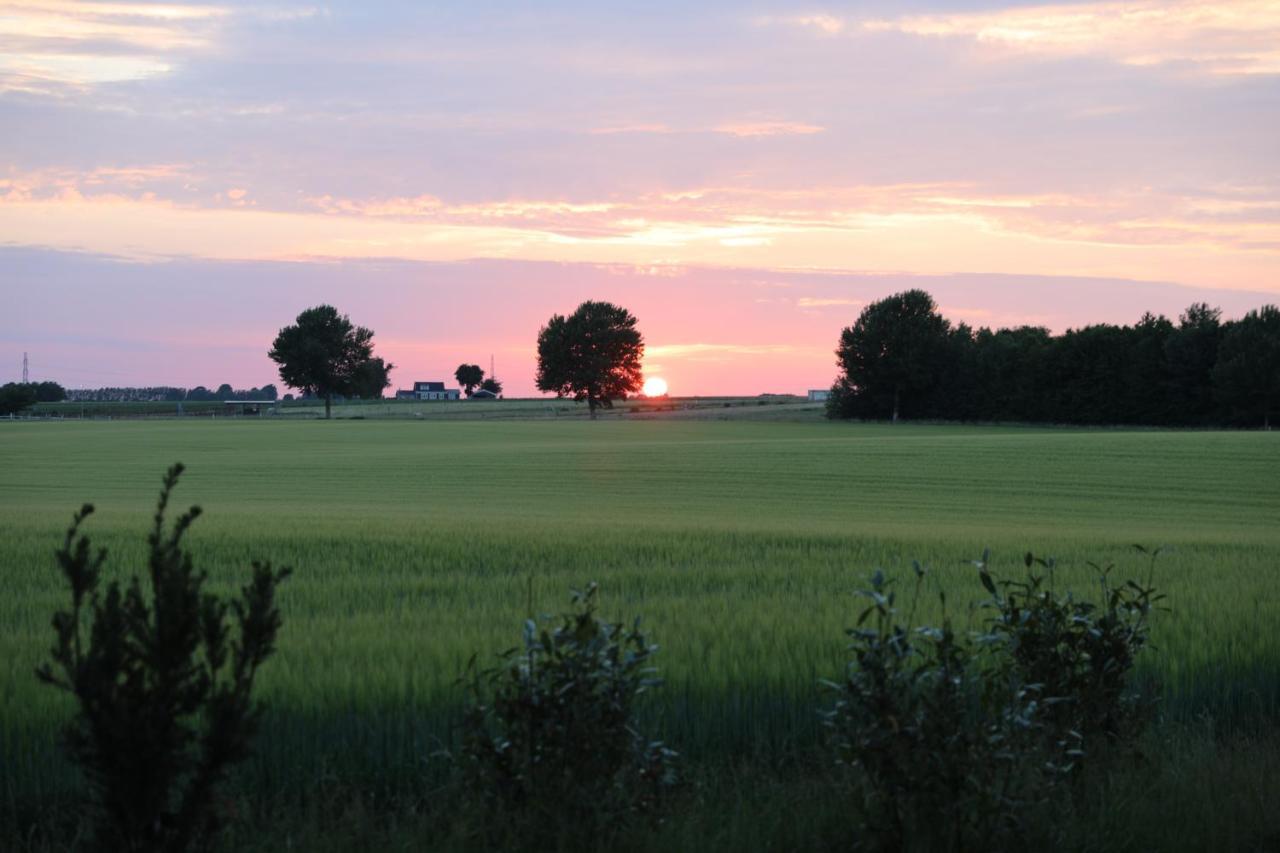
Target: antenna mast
491	373
26	372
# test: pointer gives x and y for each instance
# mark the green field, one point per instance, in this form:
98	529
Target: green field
739	542
769	406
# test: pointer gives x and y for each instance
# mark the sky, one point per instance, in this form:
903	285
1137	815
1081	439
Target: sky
178	181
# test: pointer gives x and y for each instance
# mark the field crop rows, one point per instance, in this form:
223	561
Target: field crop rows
418	544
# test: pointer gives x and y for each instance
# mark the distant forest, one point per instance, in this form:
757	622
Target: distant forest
169	394
902	359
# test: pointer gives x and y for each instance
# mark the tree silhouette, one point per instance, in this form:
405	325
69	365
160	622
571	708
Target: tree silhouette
468	376
891	354
1247	375
324	354
370	378
593	354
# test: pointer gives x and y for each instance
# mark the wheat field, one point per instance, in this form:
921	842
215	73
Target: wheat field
416	545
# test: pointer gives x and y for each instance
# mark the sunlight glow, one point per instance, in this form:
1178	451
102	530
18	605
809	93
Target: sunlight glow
655	386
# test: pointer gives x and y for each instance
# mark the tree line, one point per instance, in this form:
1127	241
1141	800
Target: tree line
593	356
16	396
900	359
903	359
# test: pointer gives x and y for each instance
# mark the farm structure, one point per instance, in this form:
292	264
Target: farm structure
429	391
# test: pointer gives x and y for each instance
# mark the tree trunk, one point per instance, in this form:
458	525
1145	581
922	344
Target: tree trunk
328	406
895	404
591	407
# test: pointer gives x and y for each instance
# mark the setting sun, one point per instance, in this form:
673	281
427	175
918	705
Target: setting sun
655	386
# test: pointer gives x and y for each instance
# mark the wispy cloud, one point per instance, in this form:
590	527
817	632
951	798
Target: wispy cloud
45	44
926	141
769	128
1214	36
124	182
1218	234
430	206
730	128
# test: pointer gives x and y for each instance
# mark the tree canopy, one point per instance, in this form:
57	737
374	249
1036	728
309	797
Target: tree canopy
491	385
1200	371
891	355
17	396
370	379
468	376
1247	373
49	392
323	354
593	354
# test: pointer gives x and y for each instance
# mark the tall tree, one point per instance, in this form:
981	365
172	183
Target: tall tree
890	357
1190	353
1146	372
1247	375
50	392
593	354
468	376
371	378
16	396
323	354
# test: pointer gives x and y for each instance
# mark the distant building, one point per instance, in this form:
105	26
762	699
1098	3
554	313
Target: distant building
818	395
429	391
483	394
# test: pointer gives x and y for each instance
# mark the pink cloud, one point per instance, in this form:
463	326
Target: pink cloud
769	128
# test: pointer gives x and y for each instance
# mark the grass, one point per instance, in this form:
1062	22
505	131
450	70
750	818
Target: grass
1168	805
740	542
772	407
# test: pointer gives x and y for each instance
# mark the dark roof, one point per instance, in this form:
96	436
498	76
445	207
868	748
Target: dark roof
483	394
428	386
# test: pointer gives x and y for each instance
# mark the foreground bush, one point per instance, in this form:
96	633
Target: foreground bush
163	689
962	743
550	746
946	754
1080	654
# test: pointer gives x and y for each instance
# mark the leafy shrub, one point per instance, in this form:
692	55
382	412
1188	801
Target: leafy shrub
1079	654
946	754
958	744
164	691
550	747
